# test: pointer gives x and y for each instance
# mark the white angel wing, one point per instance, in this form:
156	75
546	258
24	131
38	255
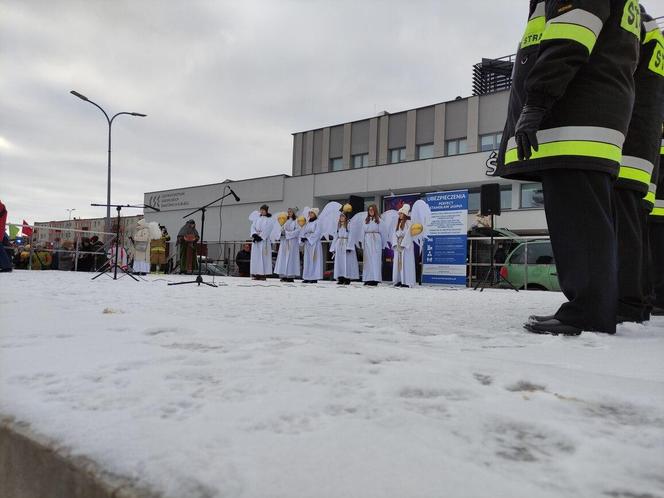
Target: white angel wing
305	212
355	228
421	213
387	225
329	217
155	231
275	230
254	216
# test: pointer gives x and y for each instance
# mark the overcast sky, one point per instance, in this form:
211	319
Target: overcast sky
224	84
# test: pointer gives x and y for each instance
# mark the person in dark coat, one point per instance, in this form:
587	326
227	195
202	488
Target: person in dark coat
5	262
85	258
243	260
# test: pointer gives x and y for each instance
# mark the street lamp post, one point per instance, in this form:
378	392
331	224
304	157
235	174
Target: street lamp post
110	123
69	211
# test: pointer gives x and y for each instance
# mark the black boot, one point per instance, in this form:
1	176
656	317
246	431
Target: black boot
540	318
552	327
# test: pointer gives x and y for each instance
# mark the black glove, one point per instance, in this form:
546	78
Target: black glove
525	132
256	237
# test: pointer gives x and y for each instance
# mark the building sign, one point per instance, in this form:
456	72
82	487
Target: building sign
168	200
445	251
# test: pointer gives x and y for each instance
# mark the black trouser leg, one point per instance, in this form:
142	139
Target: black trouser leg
630	229
579	212
657	262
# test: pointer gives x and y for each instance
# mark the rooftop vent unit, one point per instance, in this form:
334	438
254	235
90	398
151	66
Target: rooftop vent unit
493	75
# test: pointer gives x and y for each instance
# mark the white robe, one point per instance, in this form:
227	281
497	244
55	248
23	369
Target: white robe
345	257
313	251
372	270
261	252
142	250
288	259
403	262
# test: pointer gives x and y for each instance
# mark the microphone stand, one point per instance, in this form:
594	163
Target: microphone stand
108	266
199	278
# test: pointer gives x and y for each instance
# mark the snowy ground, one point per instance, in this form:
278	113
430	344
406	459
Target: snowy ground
287	390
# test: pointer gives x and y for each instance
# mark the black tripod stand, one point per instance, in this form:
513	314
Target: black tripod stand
113	265
199	278
489	279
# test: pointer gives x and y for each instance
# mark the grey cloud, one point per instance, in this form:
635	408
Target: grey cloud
224	85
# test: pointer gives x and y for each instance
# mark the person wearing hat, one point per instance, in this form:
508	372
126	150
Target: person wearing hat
346	267
261	250
288	257
313	249
403	262
187	240
372	248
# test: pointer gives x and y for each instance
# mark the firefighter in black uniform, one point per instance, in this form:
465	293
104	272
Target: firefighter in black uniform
640	160
572	98
655	200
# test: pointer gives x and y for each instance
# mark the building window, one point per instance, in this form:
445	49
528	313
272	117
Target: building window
473	200
425	151
336	164
506	197
454	147
490	141
397	155
532	195
360	160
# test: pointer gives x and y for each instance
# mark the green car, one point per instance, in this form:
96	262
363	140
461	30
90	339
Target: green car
542	274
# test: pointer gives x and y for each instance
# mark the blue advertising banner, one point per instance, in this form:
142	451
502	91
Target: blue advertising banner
445	251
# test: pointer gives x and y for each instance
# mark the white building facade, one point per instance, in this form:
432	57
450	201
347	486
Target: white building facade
444	146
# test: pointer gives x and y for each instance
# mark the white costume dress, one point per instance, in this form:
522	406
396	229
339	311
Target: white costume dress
345	257
142	249
313	251
261	251
373	253
403	262
288	259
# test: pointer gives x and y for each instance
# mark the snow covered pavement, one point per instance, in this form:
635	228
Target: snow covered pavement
262	389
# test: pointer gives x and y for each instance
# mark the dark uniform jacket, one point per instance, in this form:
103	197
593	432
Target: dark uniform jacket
640	158
576	59
657	213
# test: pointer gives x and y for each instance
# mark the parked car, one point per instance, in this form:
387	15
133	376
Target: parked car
479	251
542	274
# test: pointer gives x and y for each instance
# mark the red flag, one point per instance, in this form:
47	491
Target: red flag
27	231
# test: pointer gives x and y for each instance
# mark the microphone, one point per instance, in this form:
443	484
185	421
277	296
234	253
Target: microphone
237	199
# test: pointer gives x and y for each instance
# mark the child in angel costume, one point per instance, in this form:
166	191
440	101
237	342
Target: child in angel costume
343	247
310	236
262	226
410	227
403	262
372	244
288	257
